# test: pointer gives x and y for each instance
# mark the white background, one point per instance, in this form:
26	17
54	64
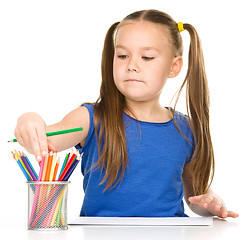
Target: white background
50	56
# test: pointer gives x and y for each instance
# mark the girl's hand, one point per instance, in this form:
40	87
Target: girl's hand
30	132
213	204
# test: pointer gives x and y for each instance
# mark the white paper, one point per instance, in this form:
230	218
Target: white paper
144	221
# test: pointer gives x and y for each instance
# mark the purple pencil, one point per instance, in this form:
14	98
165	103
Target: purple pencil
28	167
69	172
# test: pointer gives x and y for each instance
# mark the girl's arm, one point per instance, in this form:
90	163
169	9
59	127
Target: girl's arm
208	204
31	132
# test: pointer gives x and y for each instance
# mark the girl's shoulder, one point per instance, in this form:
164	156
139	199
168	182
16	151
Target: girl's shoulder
183	122
181	118
89	106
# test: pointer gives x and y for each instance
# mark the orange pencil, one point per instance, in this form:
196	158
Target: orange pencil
53	164
56	169
49	163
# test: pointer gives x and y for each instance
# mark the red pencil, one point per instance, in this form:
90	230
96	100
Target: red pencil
67	167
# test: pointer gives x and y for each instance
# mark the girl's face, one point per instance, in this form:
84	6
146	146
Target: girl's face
143	60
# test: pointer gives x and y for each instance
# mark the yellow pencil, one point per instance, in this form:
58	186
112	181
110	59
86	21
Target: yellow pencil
55	214
20	159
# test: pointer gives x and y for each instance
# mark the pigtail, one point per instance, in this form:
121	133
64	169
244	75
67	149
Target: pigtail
108	109
197	97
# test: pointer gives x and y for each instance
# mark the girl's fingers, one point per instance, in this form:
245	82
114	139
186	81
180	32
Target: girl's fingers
35	146
19	139
43	146
195	199
206	201
223	213
213	204
51	147
218	205
232	214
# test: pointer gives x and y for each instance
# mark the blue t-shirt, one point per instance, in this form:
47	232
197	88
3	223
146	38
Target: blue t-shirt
152	185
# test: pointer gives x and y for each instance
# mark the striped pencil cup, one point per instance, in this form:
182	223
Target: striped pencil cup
47	205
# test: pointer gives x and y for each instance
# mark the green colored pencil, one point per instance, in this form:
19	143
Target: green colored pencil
58	132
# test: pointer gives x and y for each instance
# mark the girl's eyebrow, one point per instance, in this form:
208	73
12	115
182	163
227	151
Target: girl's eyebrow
143	48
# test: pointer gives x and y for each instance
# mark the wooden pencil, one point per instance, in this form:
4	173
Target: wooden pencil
56	169
64	163
69	163
21	167
44	169
49	162
58	132
54	161
24	166
31	166
41	168
28	167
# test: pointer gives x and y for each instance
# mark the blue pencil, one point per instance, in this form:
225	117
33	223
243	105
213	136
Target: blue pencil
31	166
28	168
21	167
23	170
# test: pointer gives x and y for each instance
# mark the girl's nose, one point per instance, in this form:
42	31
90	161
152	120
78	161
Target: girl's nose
132	66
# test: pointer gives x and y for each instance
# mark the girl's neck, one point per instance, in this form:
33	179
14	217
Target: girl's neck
148	111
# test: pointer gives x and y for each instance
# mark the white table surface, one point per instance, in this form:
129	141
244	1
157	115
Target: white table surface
221	229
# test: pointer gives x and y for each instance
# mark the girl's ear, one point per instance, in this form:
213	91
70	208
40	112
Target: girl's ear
176	66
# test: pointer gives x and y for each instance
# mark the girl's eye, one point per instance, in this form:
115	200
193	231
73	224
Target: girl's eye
122	56
147	58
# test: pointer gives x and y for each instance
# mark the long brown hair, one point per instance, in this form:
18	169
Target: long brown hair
111	103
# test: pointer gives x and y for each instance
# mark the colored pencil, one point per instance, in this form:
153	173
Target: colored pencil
44	169
24	166
48	169
21	167
46	210
28	168
58	132
69	163
50	214
56	169
64	163
54	160
58	207
69	172
41	168
47	204
31	166
48	166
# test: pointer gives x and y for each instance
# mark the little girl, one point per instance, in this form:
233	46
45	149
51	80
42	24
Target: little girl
140	159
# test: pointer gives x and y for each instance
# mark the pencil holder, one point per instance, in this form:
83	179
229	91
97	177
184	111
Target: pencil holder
47	205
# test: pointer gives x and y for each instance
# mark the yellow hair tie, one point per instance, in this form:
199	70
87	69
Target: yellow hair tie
180	27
